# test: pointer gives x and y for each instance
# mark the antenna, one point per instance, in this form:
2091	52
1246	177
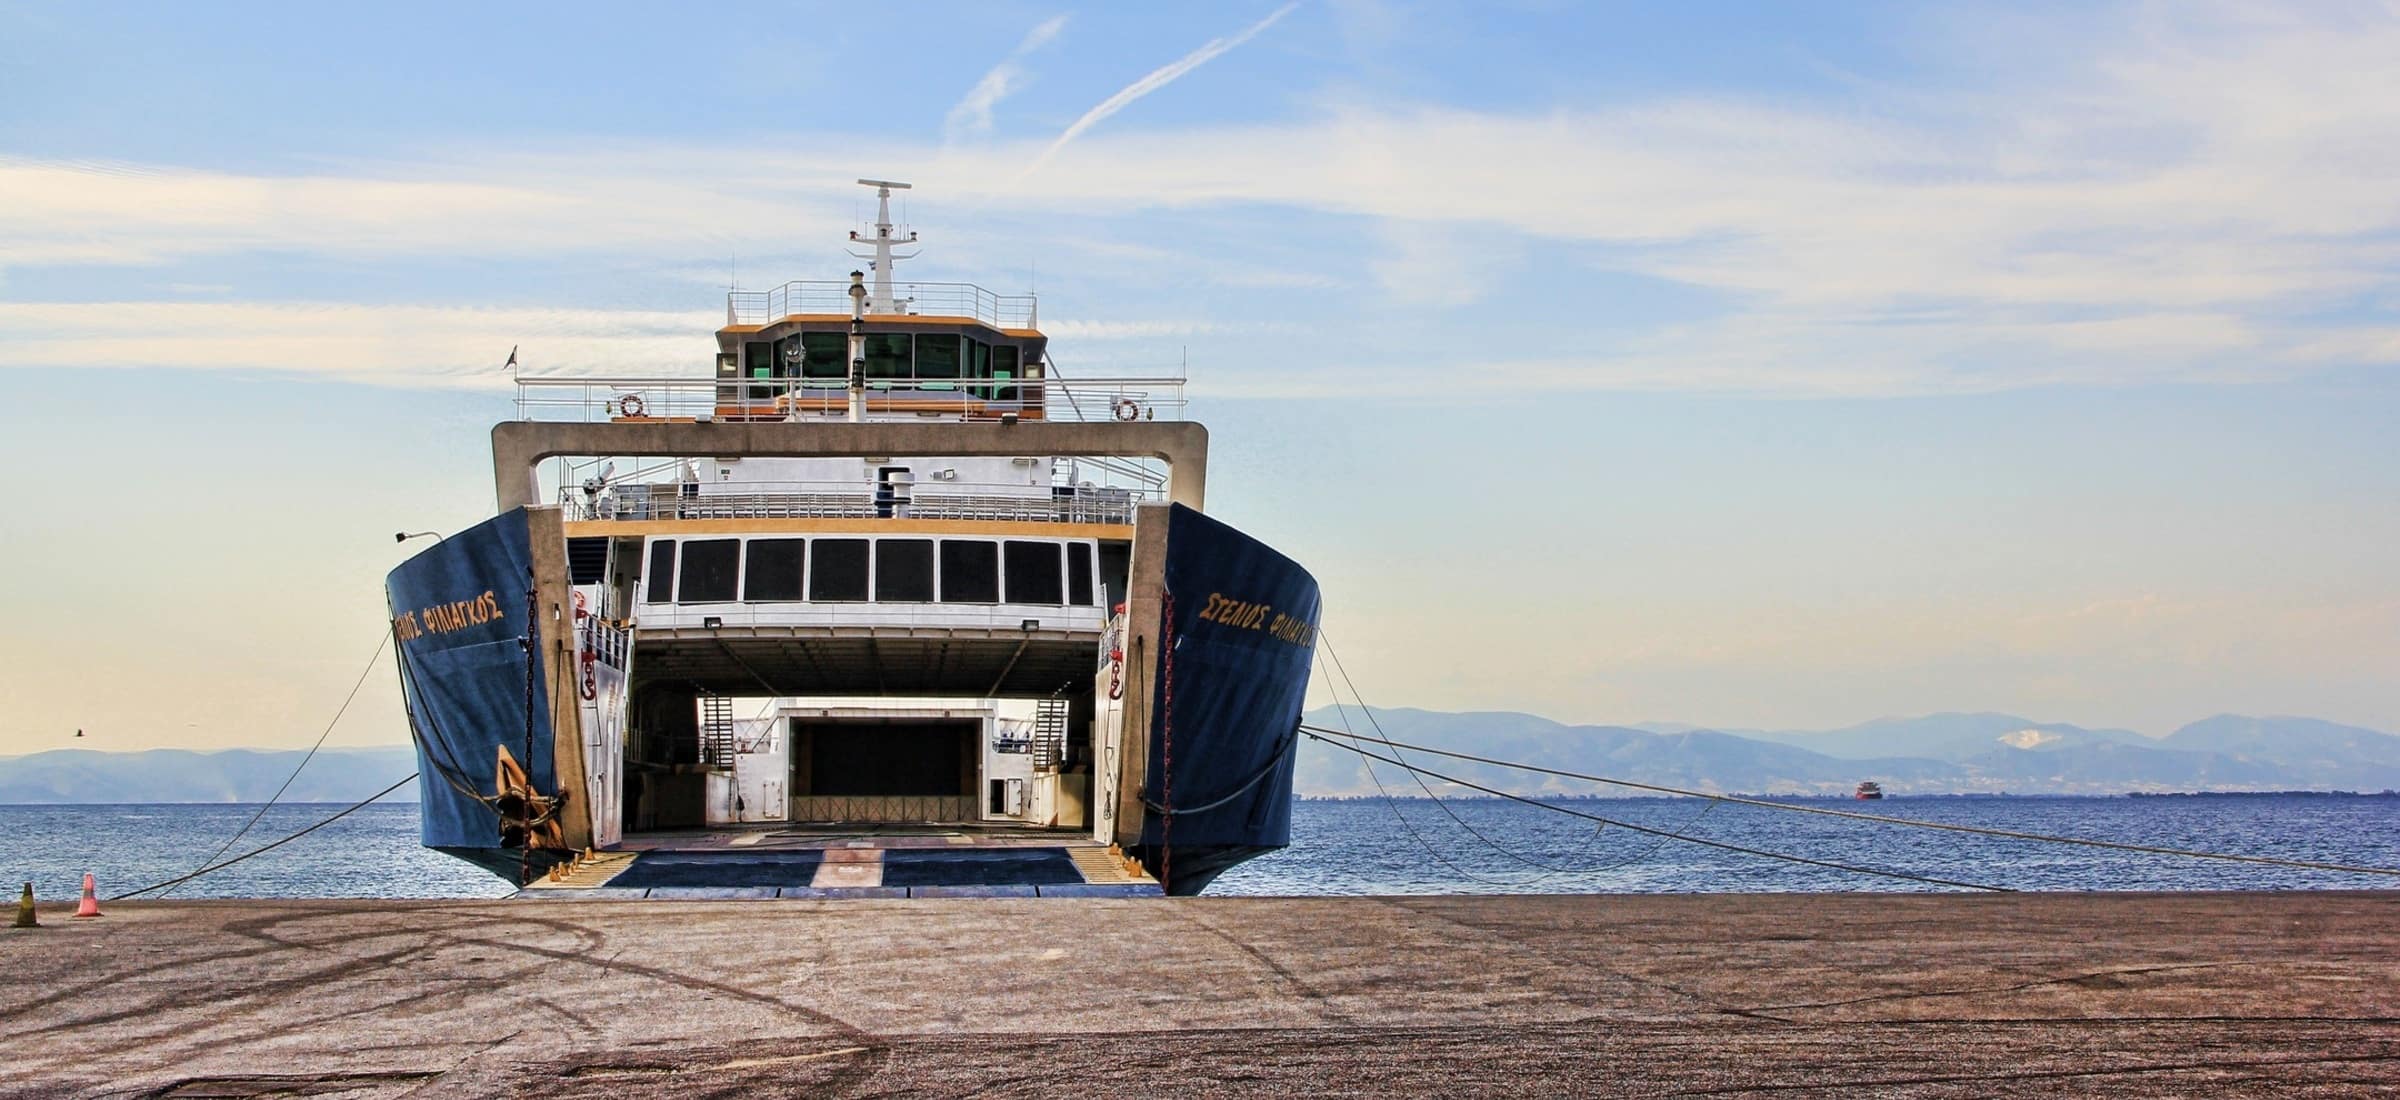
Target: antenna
881	300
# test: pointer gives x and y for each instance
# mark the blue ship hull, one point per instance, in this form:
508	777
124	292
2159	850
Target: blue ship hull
1232	674
1237	624
472	683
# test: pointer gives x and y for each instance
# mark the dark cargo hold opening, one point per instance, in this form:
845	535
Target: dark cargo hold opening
885	769
884	758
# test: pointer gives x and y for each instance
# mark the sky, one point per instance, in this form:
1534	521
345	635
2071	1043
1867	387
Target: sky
1751	365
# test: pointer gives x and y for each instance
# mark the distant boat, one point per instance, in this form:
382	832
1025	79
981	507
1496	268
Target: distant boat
1868	789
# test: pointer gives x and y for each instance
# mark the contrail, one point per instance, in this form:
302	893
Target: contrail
973	114
1158	78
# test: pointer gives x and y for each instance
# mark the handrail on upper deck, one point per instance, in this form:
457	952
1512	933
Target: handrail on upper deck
828	296
595	398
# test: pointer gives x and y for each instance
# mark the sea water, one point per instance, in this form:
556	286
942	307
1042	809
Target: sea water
1401	846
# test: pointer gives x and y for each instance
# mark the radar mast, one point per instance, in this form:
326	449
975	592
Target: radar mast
880	299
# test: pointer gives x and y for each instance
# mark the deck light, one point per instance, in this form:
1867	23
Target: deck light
1030	625
712	622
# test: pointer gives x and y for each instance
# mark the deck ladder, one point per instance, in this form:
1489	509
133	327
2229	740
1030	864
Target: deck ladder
716	731
1049	732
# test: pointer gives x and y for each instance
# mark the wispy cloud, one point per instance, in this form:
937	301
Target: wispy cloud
406	345
971	117
1157	78
2186	201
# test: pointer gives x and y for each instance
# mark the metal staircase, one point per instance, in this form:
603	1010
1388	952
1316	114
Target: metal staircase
1049	733
716	731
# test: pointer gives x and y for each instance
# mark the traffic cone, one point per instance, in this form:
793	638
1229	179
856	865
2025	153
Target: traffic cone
90	906
25	910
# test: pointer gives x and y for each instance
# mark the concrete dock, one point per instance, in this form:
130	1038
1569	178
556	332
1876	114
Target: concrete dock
2288	994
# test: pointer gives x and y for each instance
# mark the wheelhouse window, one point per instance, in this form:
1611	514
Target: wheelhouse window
659	585
887	356
904	570
710	569
824	354
1079	574
937	359
1033	573
839	573
773	569
758	365
970	571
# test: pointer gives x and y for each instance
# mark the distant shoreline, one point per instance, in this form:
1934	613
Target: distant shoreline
1847	798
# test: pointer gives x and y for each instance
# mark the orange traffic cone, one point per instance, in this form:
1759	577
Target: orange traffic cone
90	906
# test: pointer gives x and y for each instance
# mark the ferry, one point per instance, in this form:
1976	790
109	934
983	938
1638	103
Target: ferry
881	602
1868	790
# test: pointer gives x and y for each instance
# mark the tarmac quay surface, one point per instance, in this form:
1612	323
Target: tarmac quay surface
2150	995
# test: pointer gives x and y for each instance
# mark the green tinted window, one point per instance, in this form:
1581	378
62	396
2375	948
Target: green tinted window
887	355
825	351
937	356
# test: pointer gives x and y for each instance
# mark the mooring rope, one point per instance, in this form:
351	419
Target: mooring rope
312	750
1979	830
353	808
1784	856
1343	712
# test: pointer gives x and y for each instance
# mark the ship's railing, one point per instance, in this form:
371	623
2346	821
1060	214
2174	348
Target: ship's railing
599	398
854	500
607	642
823	296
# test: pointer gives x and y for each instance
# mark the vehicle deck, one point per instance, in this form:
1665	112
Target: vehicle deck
845	861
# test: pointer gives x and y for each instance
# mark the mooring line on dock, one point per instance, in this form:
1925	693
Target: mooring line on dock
353	808
1327	734
338	712
1314	732
1343	711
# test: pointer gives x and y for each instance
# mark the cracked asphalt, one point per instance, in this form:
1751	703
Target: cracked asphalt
2226	994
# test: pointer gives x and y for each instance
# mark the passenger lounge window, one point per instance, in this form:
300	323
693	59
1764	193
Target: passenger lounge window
661	583
970	571
904	570
1033	575
1079	574
840	570
710	567
773	569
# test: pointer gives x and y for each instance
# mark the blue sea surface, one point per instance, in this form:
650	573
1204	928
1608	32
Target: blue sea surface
1405	846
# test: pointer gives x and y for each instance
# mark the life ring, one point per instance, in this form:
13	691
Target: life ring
631	405
1126	409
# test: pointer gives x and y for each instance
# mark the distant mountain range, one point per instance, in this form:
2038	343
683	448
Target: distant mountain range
181	775
1934	754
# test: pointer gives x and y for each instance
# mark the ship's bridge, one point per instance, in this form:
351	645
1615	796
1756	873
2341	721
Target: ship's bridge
936	348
